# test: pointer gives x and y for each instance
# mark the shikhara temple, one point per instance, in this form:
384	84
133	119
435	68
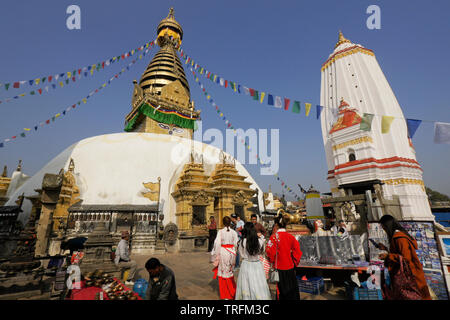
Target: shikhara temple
156	182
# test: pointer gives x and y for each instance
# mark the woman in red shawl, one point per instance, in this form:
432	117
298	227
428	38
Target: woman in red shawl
402	244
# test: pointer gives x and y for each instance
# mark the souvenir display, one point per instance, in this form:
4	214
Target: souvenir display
427	252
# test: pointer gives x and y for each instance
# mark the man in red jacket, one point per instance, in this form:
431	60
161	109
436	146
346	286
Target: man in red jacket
283	251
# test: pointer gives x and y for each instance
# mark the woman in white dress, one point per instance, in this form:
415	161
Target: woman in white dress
251	283
224	258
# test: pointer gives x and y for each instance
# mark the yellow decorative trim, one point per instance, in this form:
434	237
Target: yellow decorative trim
404	181
334	190
344	54
352	142
312	195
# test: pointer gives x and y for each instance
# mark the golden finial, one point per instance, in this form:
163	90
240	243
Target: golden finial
19	166
270	188
71	165
170	15
5	172
341	40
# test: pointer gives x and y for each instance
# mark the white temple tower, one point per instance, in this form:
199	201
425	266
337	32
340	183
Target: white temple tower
352	83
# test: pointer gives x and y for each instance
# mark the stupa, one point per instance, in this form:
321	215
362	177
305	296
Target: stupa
134	180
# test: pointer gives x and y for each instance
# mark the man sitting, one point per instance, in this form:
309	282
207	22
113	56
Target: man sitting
122	259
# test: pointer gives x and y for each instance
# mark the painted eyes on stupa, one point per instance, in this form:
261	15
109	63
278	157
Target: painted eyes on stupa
170	129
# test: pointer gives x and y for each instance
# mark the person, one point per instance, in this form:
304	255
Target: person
258	226
402	244
251	282
283	251
239	225
224	258
122	259
212	227
161	282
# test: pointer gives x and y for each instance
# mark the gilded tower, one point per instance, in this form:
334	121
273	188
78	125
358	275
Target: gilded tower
161	100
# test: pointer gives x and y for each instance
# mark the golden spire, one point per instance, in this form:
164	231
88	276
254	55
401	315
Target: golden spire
19	166
342	40
71	165
5	172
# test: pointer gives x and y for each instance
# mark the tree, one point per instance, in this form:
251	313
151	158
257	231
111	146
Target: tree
435	196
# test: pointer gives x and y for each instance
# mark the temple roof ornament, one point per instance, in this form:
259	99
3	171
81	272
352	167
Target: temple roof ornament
348	117
341	40
19	166
5	172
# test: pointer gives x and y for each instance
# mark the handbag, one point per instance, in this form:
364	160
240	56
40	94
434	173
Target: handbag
403	284
274	276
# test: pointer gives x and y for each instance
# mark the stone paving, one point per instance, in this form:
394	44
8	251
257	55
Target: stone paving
194	280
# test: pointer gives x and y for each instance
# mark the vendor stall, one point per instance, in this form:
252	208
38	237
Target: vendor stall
102	286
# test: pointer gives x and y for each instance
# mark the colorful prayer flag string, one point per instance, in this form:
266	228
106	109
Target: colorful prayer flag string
284	103
64	112
70	75
229	126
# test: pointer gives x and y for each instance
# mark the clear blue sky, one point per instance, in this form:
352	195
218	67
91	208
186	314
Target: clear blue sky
273	46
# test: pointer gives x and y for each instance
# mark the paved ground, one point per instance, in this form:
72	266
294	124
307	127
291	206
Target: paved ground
194	277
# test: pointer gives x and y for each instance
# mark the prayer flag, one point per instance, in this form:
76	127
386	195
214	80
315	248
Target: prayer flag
61	84
246	90
7	86
386	122
262	97
278	103
318	110
366	122
286	103
16	84
256	95
1	144
32	93
222	82
31	82
307	108
43	79
412	125
270	100
40	91
50	78
252	92
296	107
442	132
22	135
47	122
226	83
26	129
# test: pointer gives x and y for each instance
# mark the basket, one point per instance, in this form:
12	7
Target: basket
367	294
314	285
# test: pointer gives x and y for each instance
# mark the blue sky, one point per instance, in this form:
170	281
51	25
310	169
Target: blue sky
273	46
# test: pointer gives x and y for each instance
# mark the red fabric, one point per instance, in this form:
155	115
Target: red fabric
227	288
402	245
215	270
213	225
289	252
286	103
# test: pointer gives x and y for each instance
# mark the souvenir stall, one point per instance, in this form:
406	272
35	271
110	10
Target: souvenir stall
355	260
98	286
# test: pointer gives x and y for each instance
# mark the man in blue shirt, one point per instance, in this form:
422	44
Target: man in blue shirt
239	225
